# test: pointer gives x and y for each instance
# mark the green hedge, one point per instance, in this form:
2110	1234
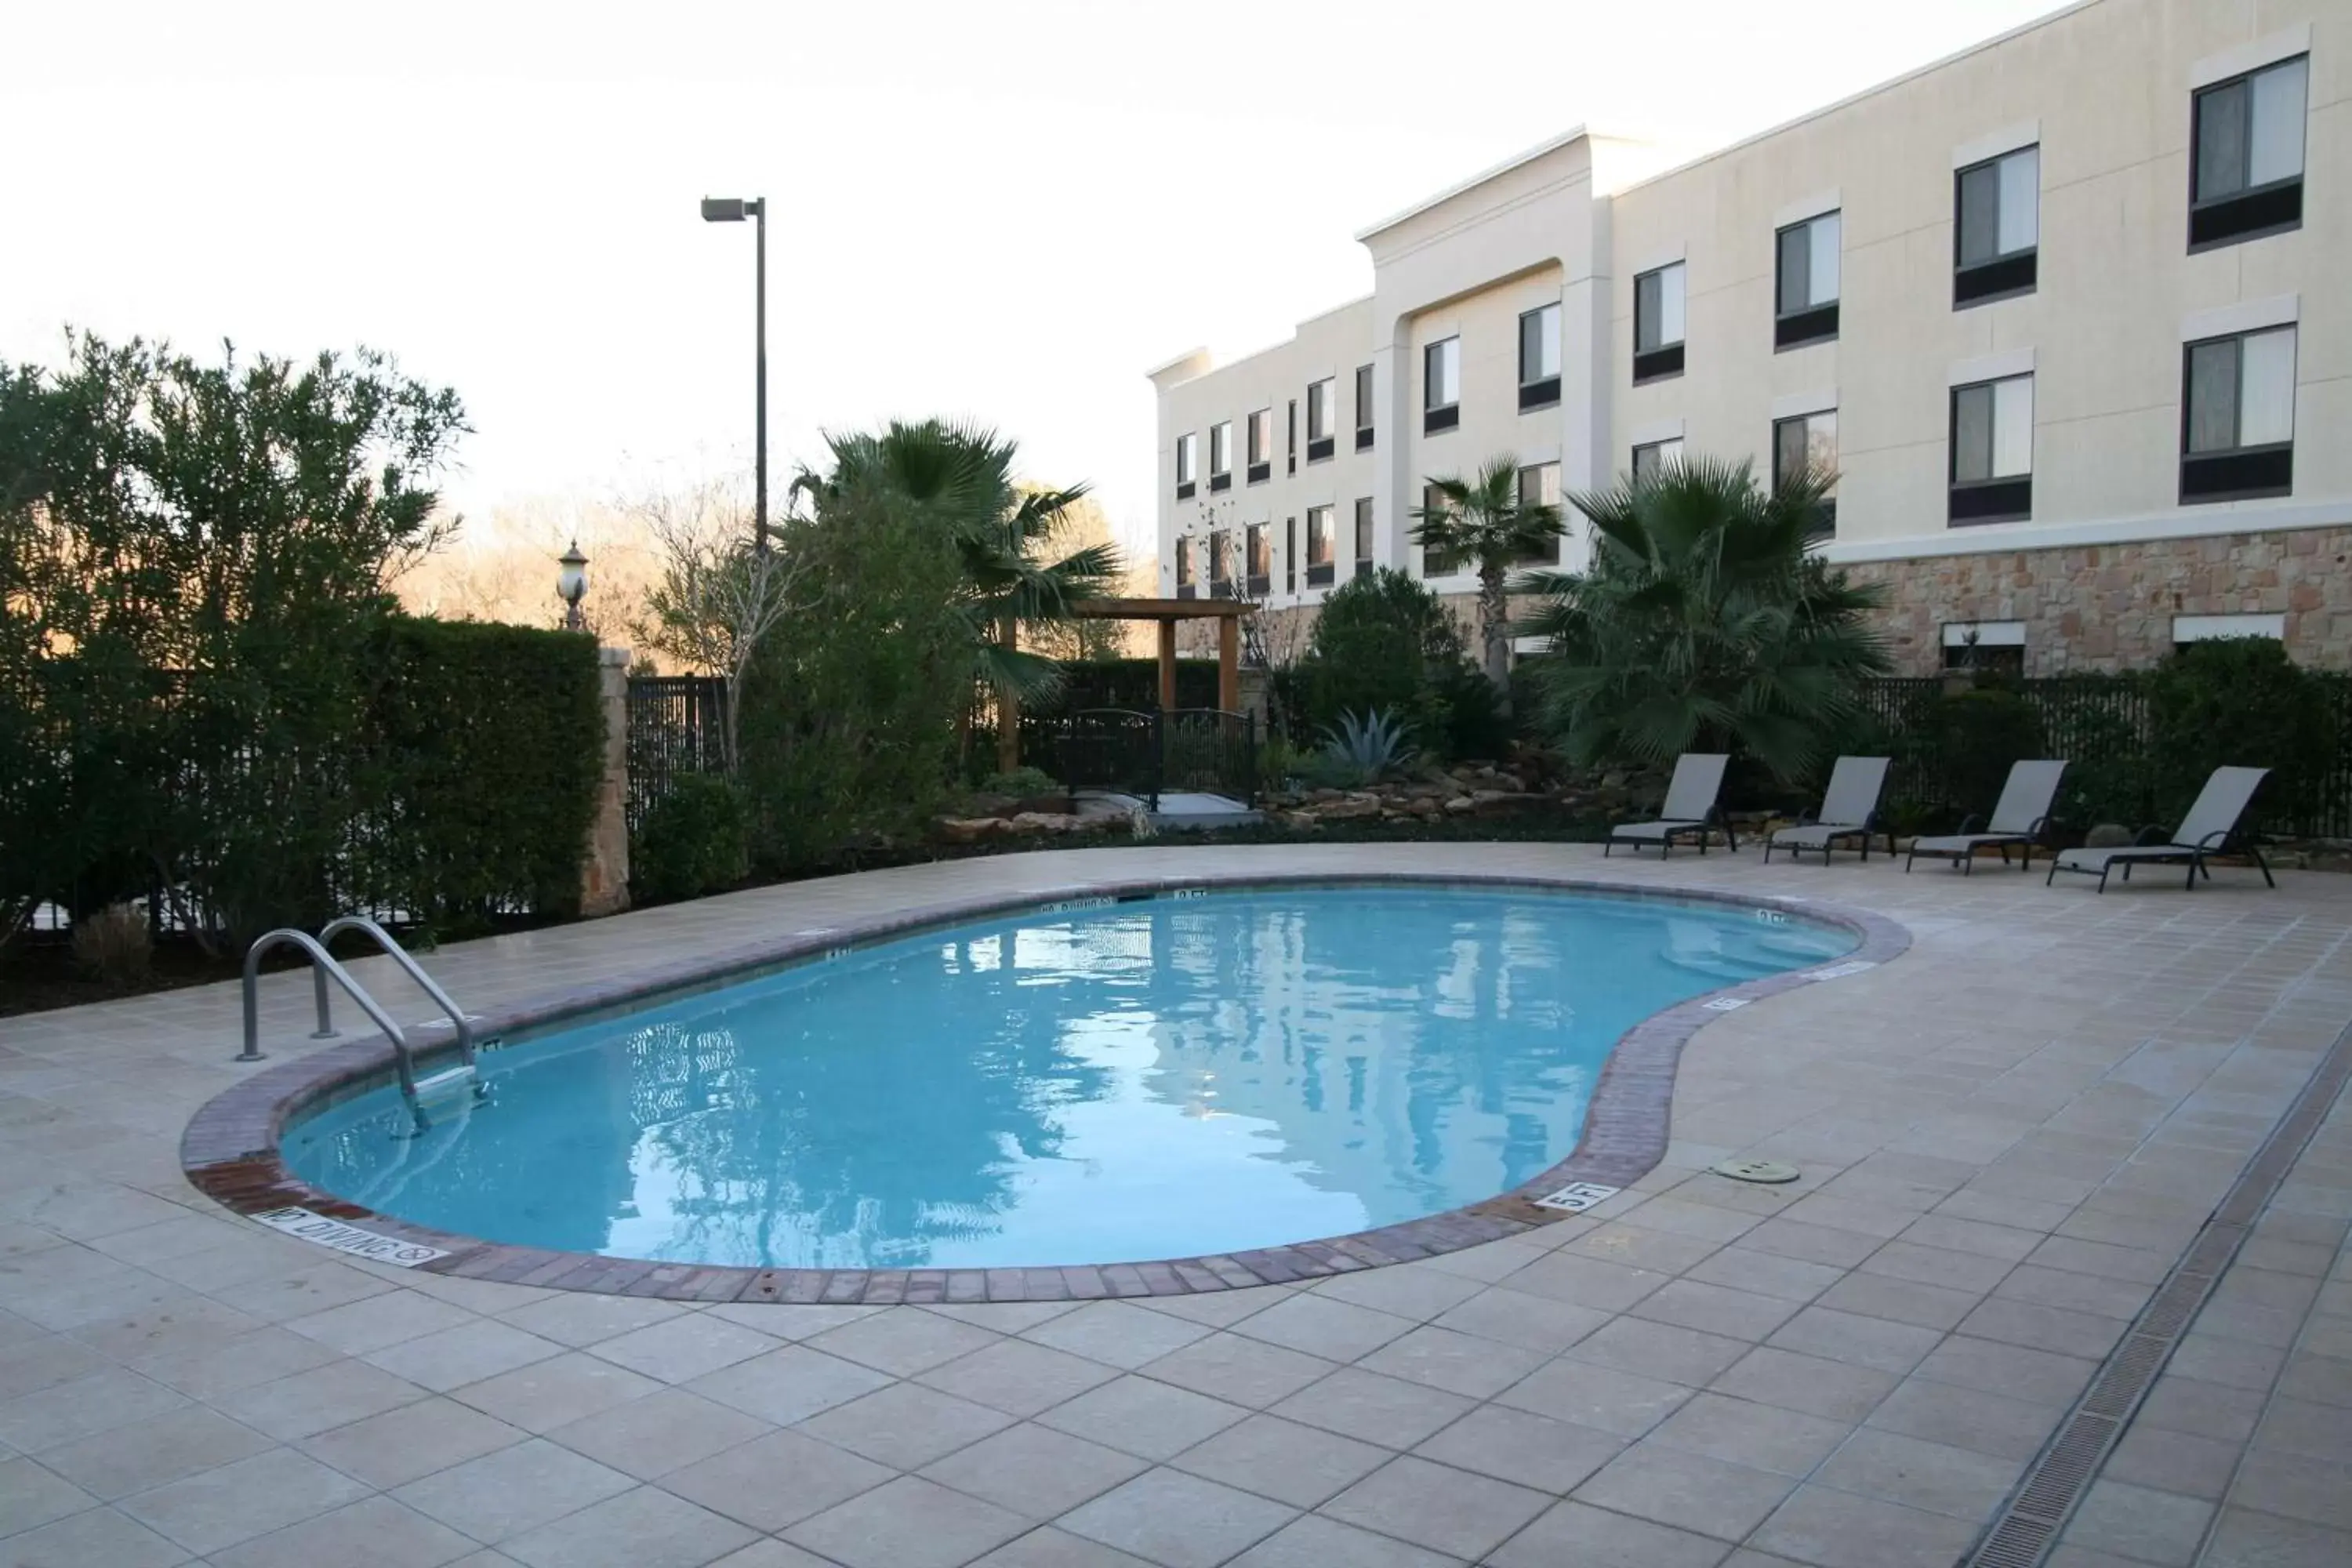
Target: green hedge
488	745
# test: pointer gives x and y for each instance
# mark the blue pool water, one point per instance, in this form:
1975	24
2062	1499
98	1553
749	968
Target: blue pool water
1149	1080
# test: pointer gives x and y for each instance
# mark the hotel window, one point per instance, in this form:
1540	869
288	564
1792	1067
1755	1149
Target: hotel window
1441	386
2187	629
1994	646
1658	324
1998	228
1320	562
1290	438
1322	418
1539	358
2237	427
1363	406
1539	486
1187	446
1260	566
1185	587
1220	565
1261	445
1992	451
1363	536
1434	562
1652	457
1808	441
1807	289
2245	177
1220	456
1290	555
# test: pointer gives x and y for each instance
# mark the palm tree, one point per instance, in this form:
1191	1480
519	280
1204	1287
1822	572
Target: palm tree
1487	520
1704	623
960	479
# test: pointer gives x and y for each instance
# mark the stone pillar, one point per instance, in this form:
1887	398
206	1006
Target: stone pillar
604	870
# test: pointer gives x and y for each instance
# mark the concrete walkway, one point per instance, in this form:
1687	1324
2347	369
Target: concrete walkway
2007	1137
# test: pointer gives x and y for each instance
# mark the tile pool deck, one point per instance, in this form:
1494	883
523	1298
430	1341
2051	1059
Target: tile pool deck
2009	1135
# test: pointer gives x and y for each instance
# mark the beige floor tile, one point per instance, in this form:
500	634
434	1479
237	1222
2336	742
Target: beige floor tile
1584	1281
150	1453
1290	1463
1179	1521
1044	1547
323	1398
375	1531
1416	1291
1320	1326
1575	1533
95	1538
2043	1328
1898	1300
647	1528
1035	1471
1687	1490
219	1508
412	1441
682	1349
2134	1521
903	1343
905	1426
1386	1410
1839	1529
1716	1309
1596	1396
31	1496
1115	1333
512	1490
467	1353
2014	1371
788	1384
1017	1377
2246	1539
1982	1423
777	1480
1878	1343
1218	1309
2298	1486
102	1401
1138	1416
579	1318
375	1321
1660	1351
1457	1512
1934	1477
650	1438
1539	1323
1458	1363
1766	1274
2170	1461
1314	1542
909	1523
1240	1370
1759	1437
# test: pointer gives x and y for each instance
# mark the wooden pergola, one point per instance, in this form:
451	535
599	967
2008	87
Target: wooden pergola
1165	614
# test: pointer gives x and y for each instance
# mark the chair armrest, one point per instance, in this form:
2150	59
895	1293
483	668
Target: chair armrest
2150	836
2039	830
1971	822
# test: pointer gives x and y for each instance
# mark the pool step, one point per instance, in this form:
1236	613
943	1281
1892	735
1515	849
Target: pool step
449	1084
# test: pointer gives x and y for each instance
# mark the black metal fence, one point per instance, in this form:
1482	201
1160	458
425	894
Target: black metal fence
1148	752
2101	724
678	724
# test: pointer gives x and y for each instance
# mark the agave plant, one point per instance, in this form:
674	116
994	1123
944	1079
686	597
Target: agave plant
1368	748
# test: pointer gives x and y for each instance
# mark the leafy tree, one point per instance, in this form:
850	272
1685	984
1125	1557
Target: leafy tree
1383	643
2240	701
1486	520
1704	623
957	481
195	555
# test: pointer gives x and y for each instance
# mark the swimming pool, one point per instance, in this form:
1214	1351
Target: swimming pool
1169	1076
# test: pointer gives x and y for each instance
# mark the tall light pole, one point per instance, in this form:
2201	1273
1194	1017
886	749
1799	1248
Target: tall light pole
735	209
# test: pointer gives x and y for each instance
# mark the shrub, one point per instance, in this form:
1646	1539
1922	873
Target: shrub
693	840
1366	749
1021	784
1976	735
1385	643
113	946
2239	701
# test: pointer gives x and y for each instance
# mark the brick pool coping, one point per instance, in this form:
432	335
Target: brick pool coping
230	1149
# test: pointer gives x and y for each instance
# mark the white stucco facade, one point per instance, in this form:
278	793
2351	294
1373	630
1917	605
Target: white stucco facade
2119	249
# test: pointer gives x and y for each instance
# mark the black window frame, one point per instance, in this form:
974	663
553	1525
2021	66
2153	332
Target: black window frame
1221	446
1364	541
1543	390
1220	563
1436	417
1828	502
1259	455
1365	424
1975	503
2251	212
1290	554
2237	472
2008	274
1813	323
1633	460
1320	573
1431	556
1187	463
1256	549
1549	556
1321	446
1187	586
1664	361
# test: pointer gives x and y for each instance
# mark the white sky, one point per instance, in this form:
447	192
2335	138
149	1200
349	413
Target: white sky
1002	210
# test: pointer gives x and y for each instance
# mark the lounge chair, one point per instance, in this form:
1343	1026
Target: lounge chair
2210	826
1850	810
1689	811
2019	818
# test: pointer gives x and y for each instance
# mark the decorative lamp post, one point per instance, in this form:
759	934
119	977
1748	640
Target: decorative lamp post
735	209
572	587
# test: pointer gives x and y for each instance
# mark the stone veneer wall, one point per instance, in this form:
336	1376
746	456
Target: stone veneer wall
2110	606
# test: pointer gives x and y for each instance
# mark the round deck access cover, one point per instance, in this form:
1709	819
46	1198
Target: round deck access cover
1766	1171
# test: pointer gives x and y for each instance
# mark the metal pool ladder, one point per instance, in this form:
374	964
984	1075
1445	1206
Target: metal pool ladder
461	1078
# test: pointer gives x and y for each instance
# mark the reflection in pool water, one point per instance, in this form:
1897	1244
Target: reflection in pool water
1151	1079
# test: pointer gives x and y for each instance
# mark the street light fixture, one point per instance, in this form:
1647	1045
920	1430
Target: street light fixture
735	209
571	586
